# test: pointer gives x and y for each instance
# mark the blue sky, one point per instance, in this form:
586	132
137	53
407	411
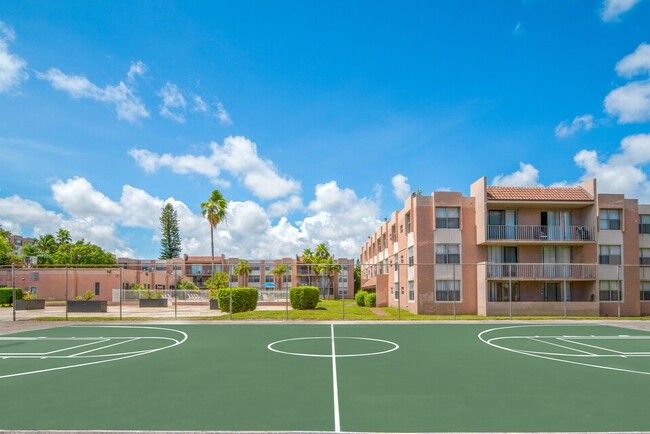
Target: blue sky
315	119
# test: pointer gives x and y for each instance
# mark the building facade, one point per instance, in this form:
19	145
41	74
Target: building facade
513	250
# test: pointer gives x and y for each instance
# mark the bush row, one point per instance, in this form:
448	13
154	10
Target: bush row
304	297
364	298
243	299
6	295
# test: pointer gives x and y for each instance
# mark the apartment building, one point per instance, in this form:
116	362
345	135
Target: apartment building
513	250
55	283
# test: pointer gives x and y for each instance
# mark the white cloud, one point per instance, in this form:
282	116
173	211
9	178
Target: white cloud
631	102
635	63
12	67
526	176
138	69
238	156
199	104
285	207
622	172
401	188
223	115
584	122
173	99
613	9
127	104
80	199
519	29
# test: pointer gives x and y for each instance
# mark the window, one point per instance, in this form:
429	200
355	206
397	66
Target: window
644	224
396	263
396	291
447	253
447	218
407	222
645	290
499	291
644	256
268	279
411	259
96	288
447	290
609	290
196	269
553	291
254	279
411	290
609	255
393	234
610	219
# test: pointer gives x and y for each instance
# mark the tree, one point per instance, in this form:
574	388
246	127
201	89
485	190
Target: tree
5	250
63	237
308	259
214	210
243	270
217	281
357	277
279	273
170	241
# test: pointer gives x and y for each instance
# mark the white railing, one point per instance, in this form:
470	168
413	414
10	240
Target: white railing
540	233
271	295
191	295
541	271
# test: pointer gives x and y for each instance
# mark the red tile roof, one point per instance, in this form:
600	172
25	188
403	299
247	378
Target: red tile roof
565	194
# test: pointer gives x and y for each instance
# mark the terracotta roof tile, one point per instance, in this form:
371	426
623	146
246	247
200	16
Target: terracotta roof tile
538	193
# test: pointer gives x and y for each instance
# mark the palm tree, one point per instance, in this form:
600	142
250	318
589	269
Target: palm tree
279	272
322	259
214	210
63	237
243	270
308	258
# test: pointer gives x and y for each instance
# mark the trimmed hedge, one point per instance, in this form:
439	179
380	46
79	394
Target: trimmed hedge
243	299
360	297
304	297
6	295
370	300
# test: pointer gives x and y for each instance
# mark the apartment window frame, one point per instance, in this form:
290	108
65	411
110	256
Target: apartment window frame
644	256
445	218
444	289
447	253
644	223
607	254
98	288
644	290
411	253
411	285
396	290
607	289
610	219
407	223
396	269
499	292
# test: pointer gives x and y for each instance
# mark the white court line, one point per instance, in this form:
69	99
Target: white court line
571	362
97	362
593	346
77	346
335	386
562	346
105	346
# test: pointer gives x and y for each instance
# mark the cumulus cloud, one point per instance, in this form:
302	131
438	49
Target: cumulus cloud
635	63
526	176
336	216
127	105
565	129
613	9
622	172
401	188
285	207
13	69
238	156
172	100
631	102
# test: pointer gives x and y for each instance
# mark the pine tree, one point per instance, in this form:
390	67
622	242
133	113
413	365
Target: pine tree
170	242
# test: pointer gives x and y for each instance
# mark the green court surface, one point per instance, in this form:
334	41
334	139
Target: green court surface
324	377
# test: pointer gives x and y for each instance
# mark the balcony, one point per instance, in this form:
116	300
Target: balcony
539	233
539	271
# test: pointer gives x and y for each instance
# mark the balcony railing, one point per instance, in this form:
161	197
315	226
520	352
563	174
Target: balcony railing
539	271
540	233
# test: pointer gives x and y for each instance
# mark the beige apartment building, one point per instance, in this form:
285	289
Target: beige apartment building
513	250
54	283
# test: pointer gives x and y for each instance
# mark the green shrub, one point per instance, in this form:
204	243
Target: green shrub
154	294
6	295
243	299
370	300
136	286
88	295
186	284
360	297
304	297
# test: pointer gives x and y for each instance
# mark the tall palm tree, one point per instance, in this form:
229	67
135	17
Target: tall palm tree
243	270
279	272
322	259
63	237
308	258
214	210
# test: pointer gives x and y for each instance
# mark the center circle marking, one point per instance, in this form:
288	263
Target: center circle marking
393	346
